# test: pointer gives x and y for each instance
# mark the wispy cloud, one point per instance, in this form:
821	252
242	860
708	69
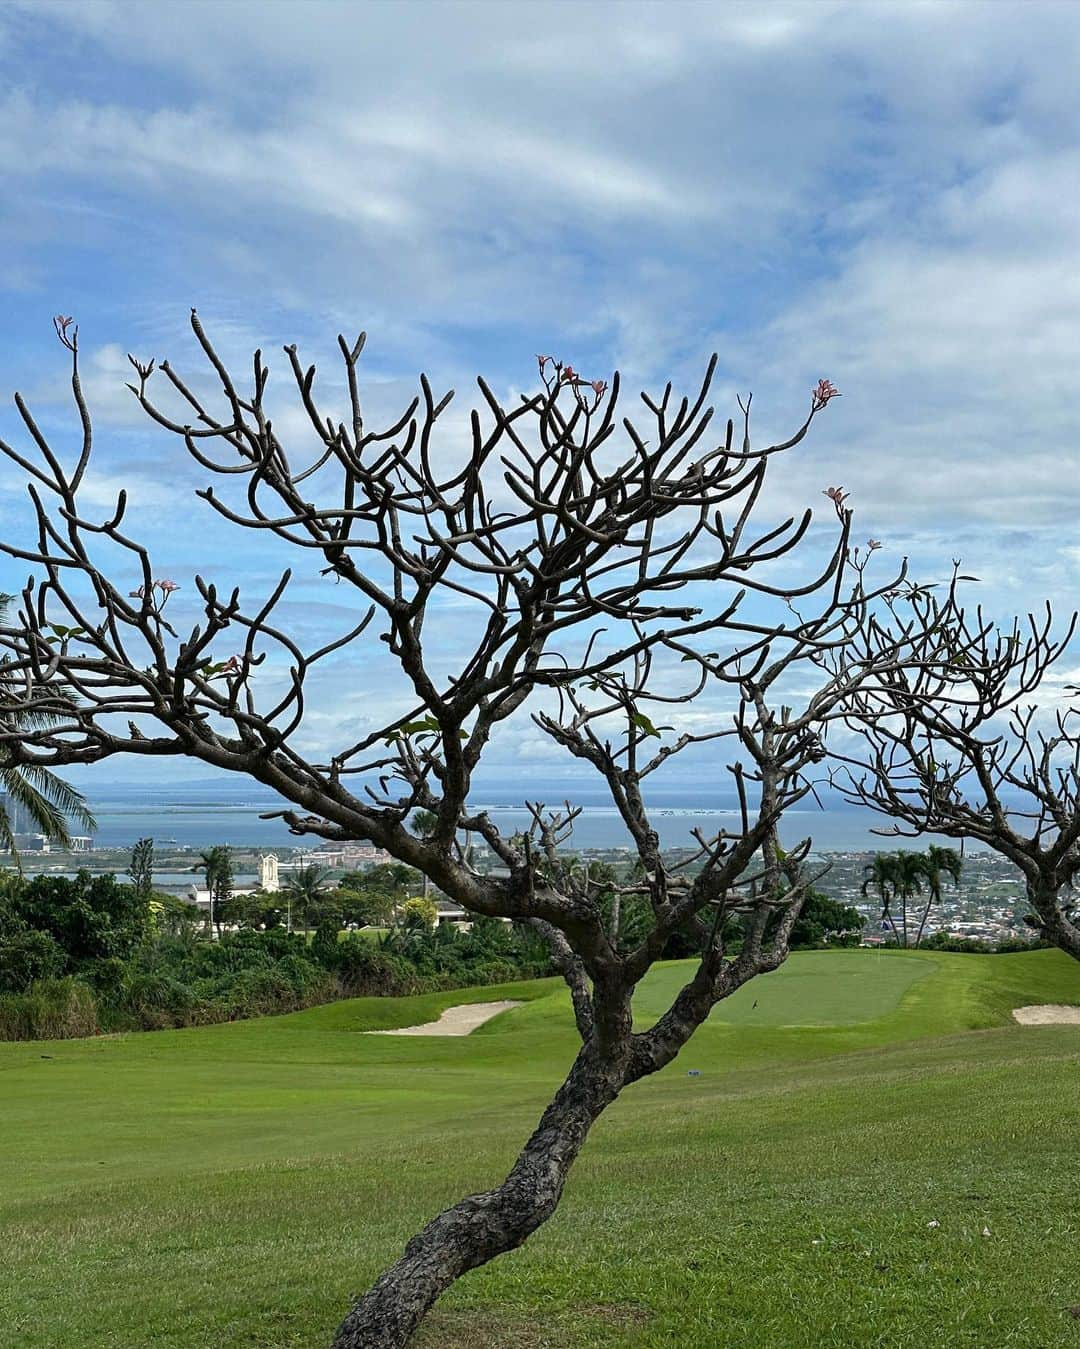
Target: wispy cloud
878	194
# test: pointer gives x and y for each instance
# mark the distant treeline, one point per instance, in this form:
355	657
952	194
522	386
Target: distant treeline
91	954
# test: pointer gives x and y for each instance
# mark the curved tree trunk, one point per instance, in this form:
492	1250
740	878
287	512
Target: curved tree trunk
482	1226
1045	899
933	897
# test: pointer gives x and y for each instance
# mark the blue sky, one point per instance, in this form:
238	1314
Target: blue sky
881	194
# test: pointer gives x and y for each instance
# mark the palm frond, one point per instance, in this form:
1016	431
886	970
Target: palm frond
7	838
47	816
66	798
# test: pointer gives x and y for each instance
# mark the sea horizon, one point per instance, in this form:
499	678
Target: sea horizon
200	814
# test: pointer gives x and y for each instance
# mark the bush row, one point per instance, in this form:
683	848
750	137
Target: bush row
81	956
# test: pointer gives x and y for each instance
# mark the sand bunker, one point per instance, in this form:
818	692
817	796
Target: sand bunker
1047	1014
455	1020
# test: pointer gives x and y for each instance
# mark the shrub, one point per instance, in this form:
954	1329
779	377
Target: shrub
942	941
93	918
178	979
51	1009
419	913
156	1000
325	942
26	956
363	968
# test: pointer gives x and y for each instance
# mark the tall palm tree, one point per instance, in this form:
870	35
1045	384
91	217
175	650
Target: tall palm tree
303	890
49	801
424	822
938	862
880	876
910	875
216	864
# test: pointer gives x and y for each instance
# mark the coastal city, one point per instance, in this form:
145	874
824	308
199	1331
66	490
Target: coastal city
985	904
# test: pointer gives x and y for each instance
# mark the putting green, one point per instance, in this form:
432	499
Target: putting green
814	988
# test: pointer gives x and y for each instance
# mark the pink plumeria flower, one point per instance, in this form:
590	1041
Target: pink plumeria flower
62	322
822	392
873	545
166	587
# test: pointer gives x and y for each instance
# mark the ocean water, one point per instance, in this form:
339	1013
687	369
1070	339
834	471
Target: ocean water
200	823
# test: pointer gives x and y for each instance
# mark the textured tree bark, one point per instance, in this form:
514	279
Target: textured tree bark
1045	899
482	1226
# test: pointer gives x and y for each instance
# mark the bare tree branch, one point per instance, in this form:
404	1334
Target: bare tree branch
615	570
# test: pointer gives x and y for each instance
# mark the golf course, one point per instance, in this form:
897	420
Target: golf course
863	1148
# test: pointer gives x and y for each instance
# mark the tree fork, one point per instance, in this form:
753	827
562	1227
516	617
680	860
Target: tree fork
569	584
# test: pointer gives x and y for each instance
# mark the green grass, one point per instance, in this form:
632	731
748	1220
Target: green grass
233	1185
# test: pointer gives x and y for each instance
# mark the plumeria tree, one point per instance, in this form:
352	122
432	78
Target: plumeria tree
972	737
618	571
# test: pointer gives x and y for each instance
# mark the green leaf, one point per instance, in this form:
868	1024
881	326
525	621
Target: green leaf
418	727
642	722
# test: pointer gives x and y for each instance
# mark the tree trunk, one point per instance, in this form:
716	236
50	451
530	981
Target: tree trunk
616	919
1045	899
934	895
482	1226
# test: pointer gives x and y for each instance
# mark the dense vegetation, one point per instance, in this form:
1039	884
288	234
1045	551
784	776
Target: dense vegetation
230	1185
89	954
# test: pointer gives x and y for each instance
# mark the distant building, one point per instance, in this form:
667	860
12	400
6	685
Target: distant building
19	818
268	873
42	843
350	856
31	842
28	836
452	915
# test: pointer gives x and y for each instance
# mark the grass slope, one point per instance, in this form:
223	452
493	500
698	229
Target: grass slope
233	1185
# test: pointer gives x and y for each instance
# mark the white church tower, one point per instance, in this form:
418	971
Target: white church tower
268	872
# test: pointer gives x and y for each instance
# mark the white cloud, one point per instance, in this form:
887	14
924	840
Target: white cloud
879	194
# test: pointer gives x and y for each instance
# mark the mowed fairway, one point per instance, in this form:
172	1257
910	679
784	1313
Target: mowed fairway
233	1185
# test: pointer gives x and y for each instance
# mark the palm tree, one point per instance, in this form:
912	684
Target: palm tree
910	874
47	800
217	866
936	862
424	822
303	889
880	875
